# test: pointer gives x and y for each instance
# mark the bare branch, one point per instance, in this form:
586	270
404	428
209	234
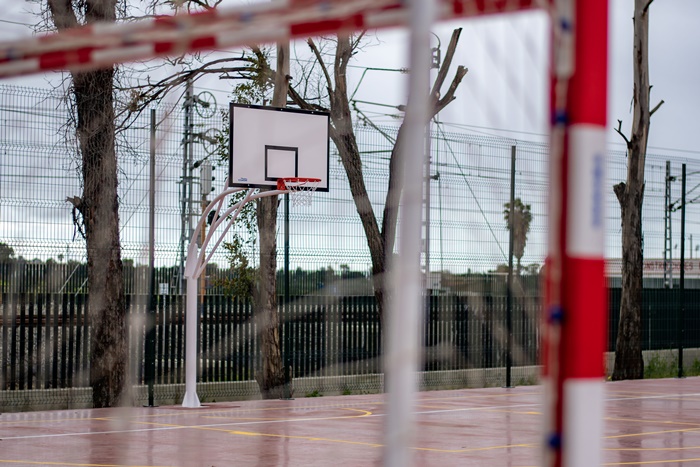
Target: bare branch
358	39
205	5
303	103
62	14
619	132
646	7
620	190
446	63
343	53
656	107
144	94
321	63
450	94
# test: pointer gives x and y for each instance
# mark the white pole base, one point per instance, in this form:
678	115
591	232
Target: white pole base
191	401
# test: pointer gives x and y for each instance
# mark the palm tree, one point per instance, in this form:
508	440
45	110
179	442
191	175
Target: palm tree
521	226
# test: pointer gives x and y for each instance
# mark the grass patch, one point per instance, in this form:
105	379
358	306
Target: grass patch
659	367
531	380
314	393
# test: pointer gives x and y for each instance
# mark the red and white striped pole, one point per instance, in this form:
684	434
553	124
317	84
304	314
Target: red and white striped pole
576	298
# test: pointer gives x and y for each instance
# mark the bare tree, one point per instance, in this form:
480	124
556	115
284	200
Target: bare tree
98	208
380	239
629	363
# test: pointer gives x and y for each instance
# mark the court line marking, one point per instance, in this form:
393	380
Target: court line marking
642	420
645	433
307	438
676	461
685	448
667	396
217	425
367	413
377	445
298	408
363	413
427	412
70	464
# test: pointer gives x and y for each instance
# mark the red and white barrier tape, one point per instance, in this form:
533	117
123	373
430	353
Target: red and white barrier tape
100	45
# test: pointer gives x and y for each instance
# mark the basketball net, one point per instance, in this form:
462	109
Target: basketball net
301	190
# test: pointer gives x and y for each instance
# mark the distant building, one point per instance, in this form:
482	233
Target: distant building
654	272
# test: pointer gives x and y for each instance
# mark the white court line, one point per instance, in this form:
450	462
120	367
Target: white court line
636	398
294	420
257	422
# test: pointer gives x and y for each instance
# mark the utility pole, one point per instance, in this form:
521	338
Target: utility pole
668	240
185	188
681	307
435	64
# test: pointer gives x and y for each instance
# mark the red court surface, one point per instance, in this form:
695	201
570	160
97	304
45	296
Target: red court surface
650	422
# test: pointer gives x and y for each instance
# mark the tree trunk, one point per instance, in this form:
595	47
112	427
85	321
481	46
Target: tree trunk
344	139
271	378
100	209
343	136
629	363
628	347
99	206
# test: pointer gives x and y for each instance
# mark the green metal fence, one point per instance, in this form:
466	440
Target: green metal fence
332	327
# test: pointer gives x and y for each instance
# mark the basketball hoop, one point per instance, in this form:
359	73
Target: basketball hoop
300	189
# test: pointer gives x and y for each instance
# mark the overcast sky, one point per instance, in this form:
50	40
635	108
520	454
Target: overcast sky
505	87
505	91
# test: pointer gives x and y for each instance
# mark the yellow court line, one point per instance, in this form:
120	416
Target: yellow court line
619	392
48	420
641	420
517	412
447	406
652	395
485	448
665	461
363	413
70	464
646	433
376	445
307	438
183	412
685	448
480	396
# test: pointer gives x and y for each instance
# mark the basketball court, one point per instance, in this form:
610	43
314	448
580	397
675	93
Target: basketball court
650	422
645	420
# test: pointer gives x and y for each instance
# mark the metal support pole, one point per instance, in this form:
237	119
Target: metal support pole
404	309
150	350
286	324
185	186
191	399
509	292
668	238
681	293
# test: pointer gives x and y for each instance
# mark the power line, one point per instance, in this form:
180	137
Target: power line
476	200
15	22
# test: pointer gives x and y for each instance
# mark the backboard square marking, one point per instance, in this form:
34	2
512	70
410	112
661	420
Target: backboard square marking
281	162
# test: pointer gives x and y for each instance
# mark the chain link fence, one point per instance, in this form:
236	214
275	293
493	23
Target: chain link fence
331	323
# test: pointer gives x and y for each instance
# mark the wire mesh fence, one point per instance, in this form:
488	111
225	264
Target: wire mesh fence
331	325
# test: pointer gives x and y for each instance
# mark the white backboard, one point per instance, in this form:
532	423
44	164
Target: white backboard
268	143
